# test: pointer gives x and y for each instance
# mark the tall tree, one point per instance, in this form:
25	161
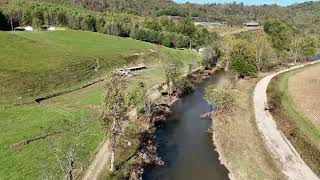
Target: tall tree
115	111
279	32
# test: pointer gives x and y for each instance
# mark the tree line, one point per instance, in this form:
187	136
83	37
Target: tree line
247	53
305	15
160	30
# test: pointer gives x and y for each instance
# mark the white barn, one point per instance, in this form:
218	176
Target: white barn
51	28
28	28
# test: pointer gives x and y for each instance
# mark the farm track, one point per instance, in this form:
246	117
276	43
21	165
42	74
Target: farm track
289	160
99	163
304	89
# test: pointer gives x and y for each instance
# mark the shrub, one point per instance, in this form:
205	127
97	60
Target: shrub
220	97
243	59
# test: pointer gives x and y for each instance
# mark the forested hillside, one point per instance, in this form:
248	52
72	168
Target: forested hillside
159	30
306	14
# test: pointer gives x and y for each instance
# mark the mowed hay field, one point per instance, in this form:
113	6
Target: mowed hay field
293	99
304	88
40	63
36	63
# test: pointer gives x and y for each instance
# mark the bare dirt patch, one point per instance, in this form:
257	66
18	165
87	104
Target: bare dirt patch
304	88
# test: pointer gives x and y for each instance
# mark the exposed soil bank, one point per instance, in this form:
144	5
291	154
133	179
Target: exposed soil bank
184	143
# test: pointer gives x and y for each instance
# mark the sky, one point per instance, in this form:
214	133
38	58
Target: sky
247	2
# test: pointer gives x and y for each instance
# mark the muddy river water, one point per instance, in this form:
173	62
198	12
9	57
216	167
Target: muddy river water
184	143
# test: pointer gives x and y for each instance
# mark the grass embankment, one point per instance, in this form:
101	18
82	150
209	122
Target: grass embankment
296	126
37	63
238	140
40	63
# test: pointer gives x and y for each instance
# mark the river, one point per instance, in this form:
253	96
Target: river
316	57
184	143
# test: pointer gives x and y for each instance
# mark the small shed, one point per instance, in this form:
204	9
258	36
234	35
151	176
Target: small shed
252	24
51	28
19	29
137	68
28	28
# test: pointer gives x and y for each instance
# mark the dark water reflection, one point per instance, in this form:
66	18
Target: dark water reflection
316	57
184	144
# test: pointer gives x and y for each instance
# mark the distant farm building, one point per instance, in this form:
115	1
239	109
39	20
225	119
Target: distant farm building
127	71
20	29
29	28
51	28
251	24
207	23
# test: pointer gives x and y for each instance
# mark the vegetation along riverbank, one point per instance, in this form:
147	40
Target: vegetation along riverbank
66	85
235	132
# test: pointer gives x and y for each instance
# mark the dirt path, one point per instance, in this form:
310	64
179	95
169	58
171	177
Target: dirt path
292	164
98	164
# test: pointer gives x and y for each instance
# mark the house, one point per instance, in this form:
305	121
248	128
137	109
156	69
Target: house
251	24
28	28
51	28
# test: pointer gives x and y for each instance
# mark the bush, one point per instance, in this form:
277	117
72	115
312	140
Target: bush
183	86
210	56
243	59
220	97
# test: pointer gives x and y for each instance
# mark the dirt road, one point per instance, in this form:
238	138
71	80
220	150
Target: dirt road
98	164
292	164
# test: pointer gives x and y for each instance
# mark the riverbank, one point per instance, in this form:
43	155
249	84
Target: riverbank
238	141
139	148
184	143
294	120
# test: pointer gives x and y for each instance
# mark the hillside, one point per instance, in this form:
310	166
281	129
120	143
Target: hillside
40	63
306	14
34	64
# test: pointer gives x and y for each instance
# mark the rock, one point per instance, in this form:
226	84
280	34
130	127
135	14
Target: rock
206	115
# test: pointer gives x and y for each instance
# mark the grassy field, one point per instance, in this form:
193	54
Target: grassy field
40	63
36	63
224	30
304	89
297	126
239	141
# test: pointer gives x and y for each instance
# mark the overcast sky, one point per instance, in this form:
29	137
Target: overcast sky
247	2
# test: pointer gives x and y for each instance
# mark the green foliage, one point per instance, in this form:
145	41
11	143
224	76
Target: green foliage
210	56
304	15
221	97
243	59
279	32
183	86
310	46
114	104
137	97
159	30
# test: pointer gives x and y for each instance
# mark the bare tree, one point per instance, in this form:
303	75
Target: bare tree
68	159
115	111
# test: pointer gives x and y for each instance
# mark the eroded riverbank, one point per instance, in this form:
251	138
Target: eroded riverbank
184	143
